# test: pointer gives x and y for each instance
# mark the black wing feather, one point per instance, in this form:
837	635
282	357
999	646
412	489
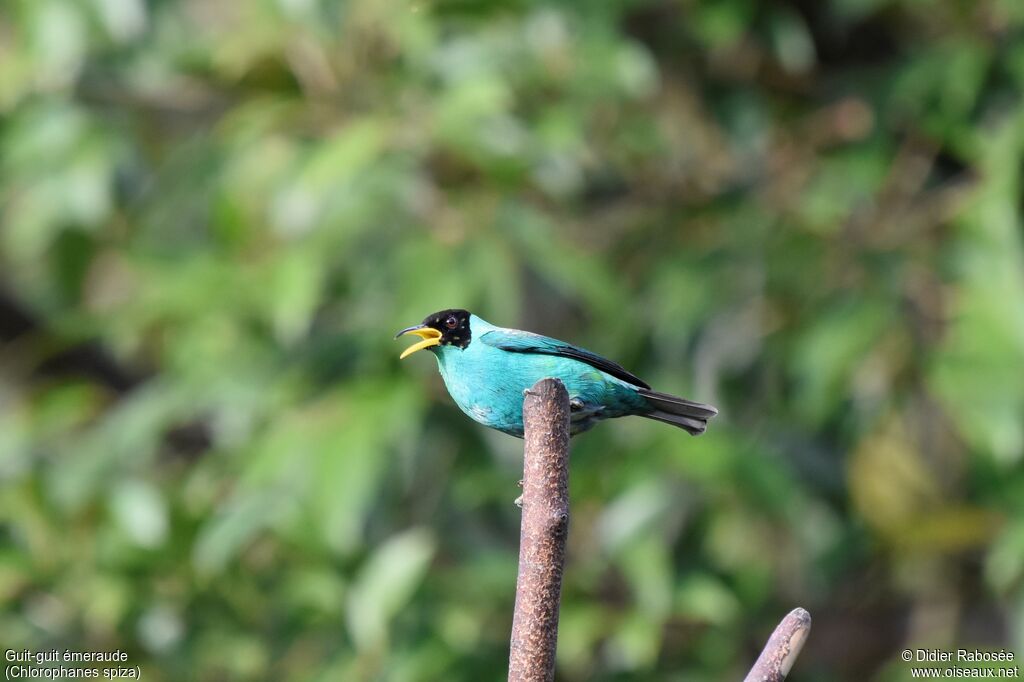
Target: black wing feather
516	341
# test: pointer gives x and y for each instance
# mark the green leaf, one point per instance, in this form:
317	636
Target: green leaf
384	585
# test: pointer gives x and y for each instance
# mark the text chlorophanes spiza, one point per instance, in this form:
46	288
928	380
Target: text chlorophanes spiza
487	368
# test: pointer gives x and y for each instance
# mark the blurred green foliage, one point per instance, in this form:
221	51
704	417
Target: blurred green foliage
214	214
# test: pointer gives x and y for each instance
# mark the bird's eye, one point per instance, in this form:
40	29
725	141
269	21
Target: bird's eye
451	322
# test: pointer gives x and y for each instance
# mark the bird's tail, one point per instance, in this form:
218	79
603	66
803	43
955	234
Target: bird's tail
686	414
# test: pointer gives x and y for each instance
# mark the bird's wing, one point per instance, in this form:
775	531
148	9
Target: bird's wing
516	341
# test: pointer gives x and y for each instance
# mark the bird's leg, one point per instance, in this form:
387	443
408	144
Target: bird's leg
580	411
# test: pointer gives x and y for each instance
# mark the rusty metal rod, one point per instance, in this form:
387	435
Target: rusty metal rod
543	532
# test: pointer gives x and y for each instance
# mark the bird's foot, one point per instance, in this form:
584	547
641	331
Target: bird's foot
527	392
575	404
519	483
518	502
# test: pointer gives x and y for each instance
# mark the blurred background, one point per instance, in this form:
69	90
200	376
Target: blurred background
214	215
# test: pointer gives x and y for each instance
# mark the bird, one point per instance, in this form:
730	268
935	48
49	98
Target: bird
487	369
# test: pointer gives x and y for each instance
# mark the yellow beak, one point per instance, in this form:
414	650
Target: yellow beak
430	336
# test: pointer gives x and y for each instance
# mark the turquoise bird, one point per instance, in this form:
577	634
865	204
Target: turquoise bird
487	368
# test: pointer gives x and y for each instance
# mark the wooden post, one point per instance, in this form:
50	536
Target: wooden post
782	648
543	532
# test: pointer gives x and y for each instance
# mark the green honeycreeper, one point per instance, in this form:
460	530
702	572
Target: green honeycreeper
487	368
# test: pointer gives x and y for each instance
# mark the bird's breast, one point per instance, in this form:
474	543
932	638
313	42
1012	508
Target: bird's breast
487	392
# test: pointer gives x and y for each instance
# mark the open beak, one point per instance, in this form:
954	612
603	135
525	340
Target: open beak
430	336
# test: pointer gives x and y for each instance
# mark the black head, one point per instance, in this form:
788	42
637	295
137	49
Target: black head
444	328
453	325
